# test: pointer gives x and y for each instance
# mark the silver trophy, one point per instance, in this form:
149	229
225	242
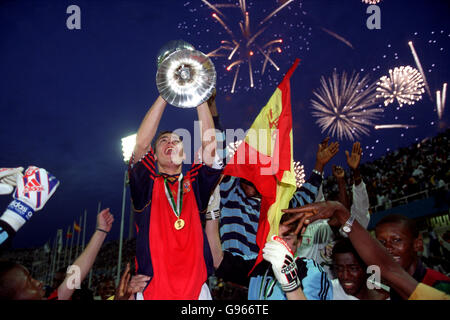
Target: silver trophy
186	77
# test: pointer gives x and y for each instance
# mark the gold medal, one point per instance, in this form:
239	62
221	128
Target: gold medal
176	207
179	224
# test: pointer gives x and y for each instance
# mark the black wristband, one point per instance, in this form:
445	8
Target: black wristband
98	229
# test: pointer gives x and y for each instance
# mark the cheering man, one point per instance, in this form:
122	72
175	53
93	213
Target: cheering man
171	245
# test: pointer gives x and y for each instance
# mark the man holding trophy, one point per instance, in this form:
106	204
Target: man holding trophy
171	245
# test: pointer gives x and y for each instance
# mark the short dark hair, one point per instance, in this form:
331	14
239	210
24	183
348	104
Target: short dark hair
398	218
344	245
161	133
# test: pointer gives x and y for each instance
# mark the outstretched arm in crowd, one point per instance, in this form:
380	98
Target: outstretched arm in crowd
148	127
85	261
369	249
353	161
325	153
339	174
361	204
307	193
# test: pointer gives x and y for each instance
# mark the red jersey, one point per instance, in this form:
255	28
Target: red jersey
179	261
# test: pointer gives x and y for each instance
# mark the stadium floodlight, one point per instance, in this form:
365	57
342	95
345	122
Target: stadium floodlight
128	144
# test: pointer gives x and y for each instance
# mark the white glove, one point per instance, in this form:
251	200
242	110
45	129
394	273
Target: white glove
213	211
8	178
278	253
33	190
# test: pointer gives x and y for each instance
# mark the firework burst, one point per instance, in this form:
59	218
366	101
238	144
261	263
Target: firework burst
247	37
244	43
299	173
371	1
344	105
404	84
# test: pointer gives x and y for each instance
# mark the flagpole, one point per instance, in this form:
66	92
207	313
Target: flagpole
52	265
59	246
49	259
121	227
67	245
71	246
78	239
49	279
84	230
47	255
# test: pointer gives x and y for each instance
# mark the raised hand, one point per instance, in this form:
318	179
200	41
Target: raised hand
354	158
105	220
325	153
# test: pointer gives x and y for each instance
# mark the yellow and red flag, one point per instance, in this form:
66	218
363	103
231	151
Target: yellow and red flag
265	158
76	227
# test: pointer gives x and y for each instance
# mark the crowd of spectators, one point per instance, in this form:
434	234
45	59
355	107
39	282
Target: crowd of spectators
435	254
421	167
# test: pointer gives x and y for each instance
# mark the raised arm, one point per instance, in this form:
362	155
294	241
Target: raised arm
360	206
353	161
307	193
325	153
148	127
85	261
339	174
208	134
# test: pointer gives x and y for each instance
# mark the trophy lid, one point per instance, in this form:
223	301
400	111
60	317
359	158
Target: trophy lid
170	47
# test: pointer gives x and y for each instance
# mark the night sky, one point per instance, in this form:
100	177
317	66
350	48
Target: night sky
67	97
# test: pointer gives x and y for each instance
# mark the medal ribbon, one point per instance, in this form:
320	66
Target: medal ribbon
176	207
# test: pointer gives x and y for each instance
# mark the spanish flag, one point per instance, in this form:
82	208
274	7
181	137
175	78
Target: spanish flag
76	227
265	158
